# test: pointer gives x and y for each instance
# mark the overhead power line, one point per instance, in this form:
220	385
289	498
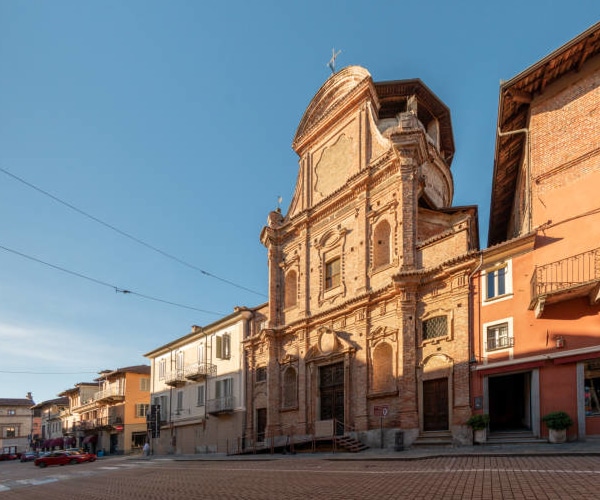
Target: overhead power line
104	283
127	235
46	373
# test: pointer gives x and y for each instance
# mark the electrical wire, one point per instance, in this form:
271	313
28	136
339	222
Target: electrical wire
124	291
46	373
127	235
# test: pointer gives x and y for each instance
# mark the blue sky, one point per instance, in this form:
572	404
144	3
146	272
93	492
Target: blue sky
173	121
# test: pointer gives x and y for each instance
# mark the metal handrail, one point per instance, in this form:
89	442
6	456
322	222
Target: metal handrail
566	273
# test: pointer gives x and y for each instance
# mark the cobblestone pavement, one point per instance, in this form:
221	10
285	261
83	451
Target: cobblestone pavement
313	477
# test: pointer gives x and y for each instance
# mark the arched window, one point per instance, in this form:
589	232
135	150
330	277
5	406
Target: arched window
291	289
290	388
383	368
381	244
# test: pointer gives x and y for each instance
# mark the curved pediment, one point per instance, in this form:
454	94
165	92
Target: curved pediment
334	92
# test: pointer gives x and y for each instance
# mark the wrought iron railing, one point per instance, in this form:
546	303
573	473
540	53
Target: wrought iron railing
220	405
175	377
566	274
500	343
200	370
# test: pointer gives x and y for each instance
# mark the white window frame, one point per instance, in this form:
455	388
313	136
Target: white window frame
223	346
508	288
224	388
141	410
162	369
145	384
494	324
201	352
201	395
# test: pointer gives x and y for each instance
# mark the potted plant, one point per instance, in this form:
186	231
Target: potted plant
479	425
557	422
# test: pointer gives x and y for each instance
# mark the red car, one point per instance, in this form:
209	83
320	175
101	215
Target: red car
64	458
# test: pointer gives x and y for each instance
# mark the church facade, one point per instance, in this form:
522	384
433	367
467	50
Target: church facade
367	325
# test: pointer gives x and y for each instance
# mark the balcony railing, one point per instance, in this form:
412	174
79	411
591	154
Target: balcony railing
96	423
574	276
500	343
175	378
221	405
199	371
110	394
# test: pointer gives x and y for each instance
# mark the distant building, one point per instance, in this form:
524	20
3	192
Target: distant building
113	418
51	414
198	387
368	272
536	344
16	423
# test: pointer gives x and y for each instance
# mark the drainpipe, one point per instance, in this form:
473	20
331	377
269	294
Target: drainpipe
471	320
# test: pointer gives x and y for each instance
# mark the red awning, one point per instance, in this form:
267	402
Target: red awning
90	439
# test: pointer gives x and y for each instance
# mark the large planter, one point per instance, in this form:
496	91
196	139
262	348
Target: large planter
557	435
480	436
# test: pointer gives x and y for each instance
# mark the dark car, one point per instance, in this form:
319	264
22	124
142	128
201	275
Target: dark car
29	456
9	456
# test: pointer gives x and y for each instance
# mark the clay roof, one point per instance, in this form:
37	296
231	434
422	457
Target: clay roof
16	402
513	114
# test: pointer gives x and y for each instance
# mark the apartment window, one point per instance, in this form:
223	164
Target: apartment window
179	401
11	412
261	374
179	361
332	273
201	395
144	384
435	327
162	369
10	432
224	388
498	337
496	282
224	346
141	410
592	387
200	353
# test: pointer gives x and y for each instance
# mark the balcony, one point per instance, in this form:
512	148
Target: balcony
175	378
220	405
110	395
569	278
97	423
200	371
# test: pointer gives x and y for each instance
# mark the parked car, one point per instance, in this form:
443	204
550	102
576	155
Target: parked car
9	456
83	456
56	458
29	456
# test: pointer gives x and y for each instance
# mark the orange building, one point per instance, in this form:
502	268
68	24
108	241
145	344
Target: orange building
113	419
536	301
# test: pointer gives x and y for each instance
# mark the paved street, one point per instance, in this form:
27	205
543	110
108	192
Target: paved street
306	477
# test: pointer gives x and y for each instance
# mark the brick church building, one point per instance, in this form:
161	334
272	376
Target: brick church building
367	327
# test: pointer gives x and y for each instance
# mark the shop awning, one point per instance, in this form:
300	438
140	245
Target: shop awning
90	439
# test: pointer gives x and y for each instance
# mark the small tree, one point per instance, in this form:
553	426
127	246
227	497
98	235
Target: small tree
478	422
557	420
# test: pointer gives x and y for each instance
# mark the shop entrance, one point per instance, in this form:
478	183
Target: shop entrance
510	402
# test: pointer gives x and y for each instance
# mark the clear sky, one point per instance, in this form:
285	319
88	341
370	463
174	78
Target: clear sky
172	121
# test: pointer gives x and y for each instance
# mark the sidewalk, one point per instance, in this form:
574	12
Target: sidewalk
590	447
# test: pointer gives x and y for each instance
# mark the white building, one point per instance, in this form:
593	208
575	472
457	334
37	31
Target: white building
198	382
